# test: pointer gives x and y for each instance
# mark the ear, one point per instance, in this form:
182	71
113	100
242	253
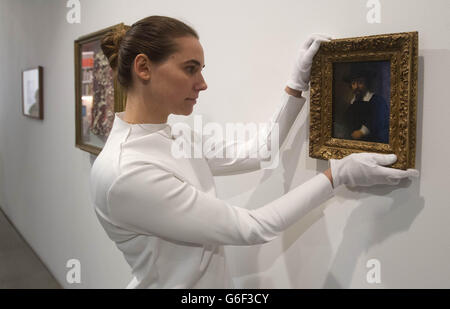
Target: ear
142	67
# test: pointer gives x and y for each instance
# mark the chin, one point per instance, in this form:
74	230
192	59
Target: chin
185	112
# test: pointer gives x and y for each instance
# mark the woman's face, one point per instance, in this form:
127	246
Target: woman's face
176	83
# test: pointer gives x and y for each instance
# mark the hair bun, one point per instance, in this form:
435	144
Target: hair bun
110	43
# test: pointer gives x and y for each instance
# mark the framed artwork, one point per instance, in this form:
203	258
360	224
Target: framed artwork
98	95
32	93
364	97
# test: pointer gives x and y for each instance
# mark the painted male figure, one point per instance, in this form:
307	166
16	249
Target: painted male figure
368	114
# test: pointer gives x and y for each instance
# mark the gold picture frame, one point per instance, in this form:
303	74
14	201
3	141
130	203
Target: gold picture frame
98	95
395	56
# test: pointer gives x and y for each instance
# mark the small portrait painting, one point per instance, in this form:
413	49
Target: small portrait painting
32	105
363	97
361	94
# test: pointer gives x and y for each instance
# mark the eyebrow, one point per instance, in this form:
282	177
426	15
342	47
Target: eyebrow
194	61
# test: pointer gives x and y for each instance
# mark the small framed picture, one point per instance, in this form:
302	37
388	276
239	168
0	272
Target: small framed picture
98	95
32	93
363	97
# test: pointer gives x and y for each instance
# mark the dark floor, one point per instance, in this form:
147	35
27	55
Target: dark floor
20	267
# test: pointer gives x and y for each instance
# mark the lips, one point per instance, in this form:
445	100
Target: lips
192	100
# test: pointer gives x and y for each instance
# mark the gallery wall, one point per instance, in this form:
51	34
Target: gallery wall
249	49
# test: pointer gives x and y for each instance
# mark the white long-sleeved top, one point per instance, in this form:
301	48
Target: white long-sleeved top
163	214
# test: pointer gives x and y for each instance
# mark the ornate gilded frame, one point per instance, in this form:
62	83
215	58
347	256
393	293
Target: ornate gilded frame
119	93
401	49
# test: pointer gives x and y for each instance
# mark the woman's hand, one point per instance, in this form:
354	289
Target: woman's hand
302	68
366	169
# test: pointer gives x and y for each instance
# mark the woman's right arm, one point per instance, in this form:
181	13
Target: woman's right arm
151	200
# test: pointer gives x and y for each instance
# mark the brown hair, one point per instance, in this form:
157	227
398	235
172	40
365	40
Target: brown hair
152	36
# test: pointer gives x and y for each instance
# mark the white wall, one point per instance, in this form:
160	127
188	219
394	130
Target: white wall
249	46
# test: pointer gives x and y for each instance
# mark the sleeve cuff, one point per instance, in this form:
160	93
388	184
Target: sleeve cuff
294	99
325	183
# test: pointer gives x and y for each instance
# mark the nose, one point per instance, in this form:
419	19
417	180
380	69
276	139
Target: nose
201	85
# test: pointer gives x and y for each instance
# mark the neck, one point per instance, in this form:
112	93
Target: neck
361	96
141	110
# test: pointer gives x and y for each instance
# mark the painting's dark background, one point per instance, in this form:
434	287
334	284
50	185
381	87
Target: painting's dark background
342	93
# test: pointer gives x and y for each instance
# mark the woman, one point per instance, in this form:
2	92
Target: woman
162	212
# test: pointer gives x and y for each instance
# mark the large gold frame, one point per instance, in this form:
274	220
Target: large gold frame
401	49
119	93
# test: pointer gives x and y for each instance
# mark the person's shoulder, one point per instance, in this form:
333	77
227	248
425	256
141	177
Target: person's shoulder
140	181
34	109
106	167
104	172
377	98
144	150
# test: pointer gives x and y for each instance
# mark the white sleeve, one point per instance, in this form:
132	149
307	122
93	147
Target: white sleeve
247	156
152	201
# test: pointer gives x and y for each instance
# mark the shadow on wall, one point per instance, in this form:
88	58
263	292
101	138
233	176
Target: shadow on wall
370	224
252	266
374	220
92	158
386	223
2	172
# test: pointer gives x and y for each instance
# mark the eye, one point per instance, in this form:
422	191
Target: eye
191	69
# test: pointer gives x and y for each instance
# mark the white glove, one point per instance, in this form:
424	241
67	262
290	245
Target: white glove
302	68
365	169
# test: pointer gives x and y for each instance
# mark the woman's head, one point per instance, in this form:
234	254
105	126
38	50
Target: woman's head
152	56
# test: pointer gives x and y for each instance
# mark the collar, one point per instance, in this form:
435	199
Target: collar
366	98
141	129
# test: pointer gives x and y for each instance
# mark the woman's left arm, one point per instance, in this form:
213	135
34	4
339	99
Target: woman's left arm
229	157
263	149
